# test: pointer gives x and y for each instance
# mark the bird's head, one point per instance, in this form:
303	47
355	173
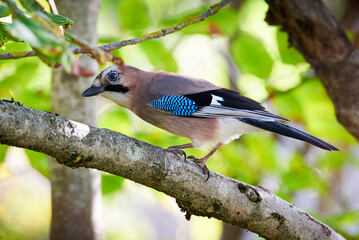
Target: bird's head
112	83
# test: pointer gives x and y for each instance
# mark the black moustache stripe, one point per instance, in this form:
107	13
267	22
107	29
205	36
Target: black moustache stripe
116	88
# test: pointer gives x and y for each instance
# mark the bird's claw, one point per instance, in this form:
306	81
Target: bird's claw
177	151
202	162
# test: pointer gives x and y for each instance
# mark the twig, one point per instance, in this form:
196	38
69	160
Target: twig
116	45
5	56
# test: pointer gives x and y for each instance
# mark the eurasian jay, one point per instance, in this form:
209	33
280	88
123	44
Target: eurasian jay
194	108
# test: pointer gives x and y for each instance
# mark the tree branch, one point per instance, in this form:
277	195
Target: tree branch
157	34
323	42
234	202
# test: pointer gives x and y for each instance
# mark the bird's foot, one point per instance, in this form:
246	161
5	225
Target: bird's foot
177	151
202	162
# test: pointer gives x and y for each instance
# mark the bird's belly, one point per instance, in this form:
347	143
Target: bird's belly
201	131
231	128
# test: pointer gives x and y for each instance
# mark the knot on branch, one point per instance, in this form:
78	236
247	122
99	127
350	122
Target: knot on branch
251	193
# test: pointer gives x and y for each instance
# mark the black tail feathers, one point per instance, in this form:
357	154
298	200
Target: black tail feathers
280	128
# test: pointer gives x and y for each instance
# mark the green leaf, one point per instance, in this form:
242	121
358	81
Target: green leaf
3	149
35	7
31	5
42	35
66	60
159	55
37	30
5	36
49	48
4	10
26	80
111	183
25	33
288	54
60	20
133	14
251	56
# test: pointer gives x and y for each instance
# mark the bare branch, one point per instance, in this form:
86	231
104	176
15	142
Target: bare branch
234	202
157	34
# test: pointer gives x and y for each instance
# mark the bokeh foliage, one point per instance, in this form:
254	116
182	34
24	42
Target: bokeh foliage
270	71
38	28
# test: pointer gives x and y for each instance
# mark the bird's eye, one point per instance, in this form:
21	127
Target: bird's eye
113	76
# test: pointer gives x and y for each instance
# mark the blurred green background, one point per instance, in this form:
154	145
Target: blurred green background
235	49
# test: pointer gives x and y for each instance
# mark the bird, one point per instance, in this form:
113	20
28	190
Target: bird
194	108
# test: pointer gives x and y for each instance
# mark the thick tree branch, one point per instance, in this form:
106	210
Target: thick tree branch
157	34
234	202
322	41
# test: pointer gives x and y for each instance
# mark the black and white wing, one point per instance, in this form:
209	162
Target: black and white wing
227	103
224	103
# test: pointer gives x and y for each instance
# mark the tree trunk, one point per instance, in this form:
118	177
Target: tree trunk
76	194
323	42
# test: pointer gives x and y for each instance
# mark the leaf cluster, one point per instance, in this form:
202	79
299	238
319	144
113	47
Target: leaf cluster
41	29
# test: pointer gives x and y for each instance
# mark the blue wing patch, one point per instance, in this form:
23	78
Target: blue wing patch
177	105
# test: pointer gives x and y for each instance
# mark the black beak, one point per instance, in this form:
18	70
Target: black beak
92	91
